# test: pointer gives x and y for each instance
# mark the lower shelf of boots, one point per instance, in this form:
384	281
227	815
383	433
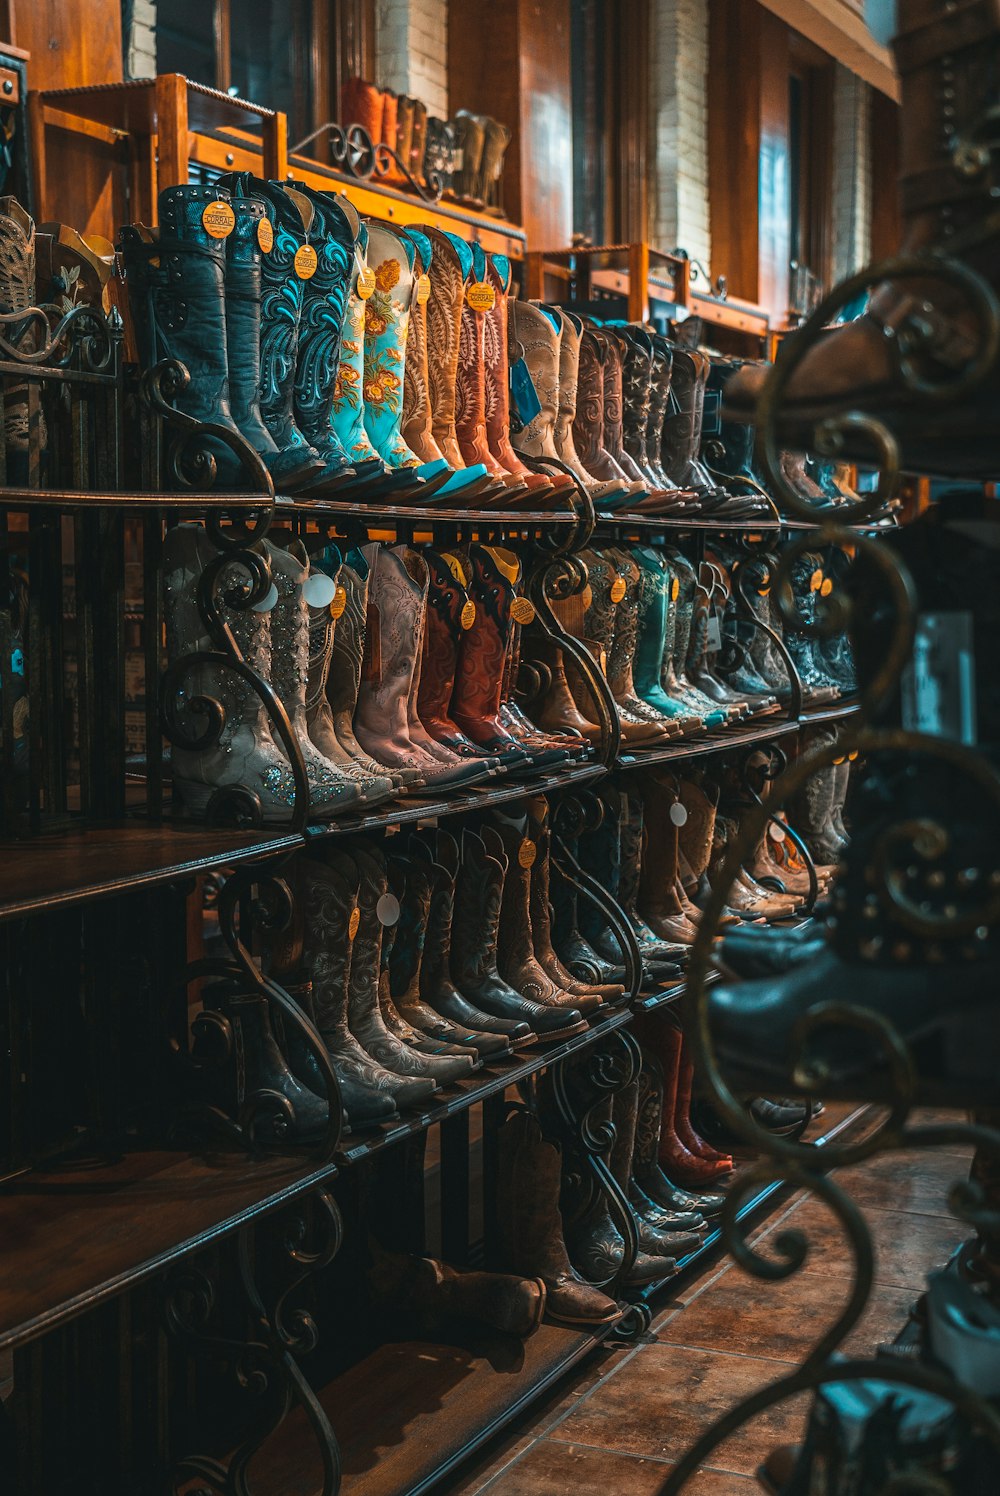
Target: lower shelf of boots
763	730
411	1411
77	1234
620	523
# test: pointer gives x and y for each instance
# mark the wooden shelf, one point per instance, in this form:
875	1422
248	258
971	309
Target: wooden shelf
52	872
74	1236
70	867
33	498
413	1410
765	730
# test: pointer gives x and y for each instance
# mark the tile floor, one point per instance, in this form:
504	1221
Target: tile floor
620	1422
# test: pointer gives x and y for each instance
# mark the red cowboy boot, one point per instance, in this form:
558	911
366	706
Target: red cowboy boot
680	1164
475	703
683	1126
450	613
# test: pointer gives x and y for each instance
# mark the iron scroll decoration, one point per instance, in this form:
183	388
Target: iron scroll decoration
353	151
786	1160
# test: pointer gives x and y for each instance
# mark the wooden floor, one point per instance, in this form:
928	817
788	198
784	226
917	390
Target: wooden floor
619	1424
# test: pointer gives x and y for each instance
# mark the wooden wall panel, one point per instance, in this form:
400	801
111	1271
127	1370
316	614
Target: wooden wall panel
775	238
734	143
885	173
72	42
517	69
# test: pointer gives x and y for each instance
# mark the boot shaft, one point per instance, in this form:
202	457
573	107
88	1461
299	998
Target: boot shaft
449	271
387	319
331	236
534	330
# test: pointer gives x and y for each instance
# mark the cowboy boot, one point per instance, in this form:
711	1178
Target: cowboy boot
496	362
531	1231
614	442
397	1025
450	613
683	1126
919	331
470	385
290	666
412	882
289	263
418	141
475	703
475	937
518	963
637	398
242	756
333	233
678	1160
654	951
437	1294
257	1076
440	154
588	424
600	619
497	138
244	251
651	640
326	911
322	593
344	679
805	582
541	913
627	585
555	709
362	104
680	631
176	277
659	903
534	330
390	115
546	748
348	405
437	988
404	129
570	332
364	1014
387	317
678	450
577	954
648	1177
470	136
656	1240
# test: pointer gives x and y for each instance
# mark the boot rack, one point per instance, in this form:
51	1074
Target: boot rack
194	1299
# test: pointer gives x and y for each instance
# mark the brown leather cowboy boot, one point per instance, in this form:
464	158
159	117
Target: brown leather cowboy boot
496	358
517	961
534	331
475	941
600	618
659	903
554	709
588	423
541	913
947	55
470	386
484	646
435	1294
531	1225
570	332
450	613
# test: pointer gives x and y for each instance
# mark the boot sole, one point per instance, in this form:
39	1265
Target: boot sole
563	1033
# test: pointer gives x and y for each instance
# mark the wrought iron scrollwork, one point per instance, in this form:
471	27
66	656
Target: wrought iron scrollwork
191	461
917	840
82	336
353	151
265	1363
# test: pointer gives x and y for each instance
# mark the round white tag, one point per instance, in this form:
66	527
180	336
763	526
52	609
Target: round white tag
776	832
678	814
387	909
319	590
268	601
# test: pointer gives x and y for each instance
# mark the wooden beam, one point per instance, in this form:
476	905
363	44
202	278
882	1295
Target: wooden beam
839	28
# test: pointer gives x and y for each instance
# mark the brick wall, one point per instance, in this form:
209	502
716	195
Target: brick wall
679	127
411	50
851	173
139	38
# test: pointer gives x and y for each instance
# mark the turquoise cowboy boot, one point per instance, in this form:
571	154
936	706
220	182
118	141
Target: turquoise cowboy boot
654	586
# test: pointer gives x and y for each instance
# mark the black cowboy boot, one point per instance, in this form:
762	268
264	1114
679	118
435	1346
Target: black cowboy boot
244	252
289	263
176	278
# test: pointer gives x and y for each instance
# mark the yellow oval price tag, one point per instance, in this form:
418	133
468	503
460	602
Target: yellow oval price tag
366	282
306	261
826	588
481	296
675	588
816	580
521	610
339	602
423	290
218	219
468	614
617	589
355	920
526	853
265	235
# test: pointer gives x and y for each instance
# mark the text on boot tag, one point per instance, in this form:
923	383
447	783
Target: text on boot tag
305	262
338	602
353	923
319	590
423	290
617	589
526	853
265	235
678	814
468	614
522	610
481	296
218	220
366	282
387	909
